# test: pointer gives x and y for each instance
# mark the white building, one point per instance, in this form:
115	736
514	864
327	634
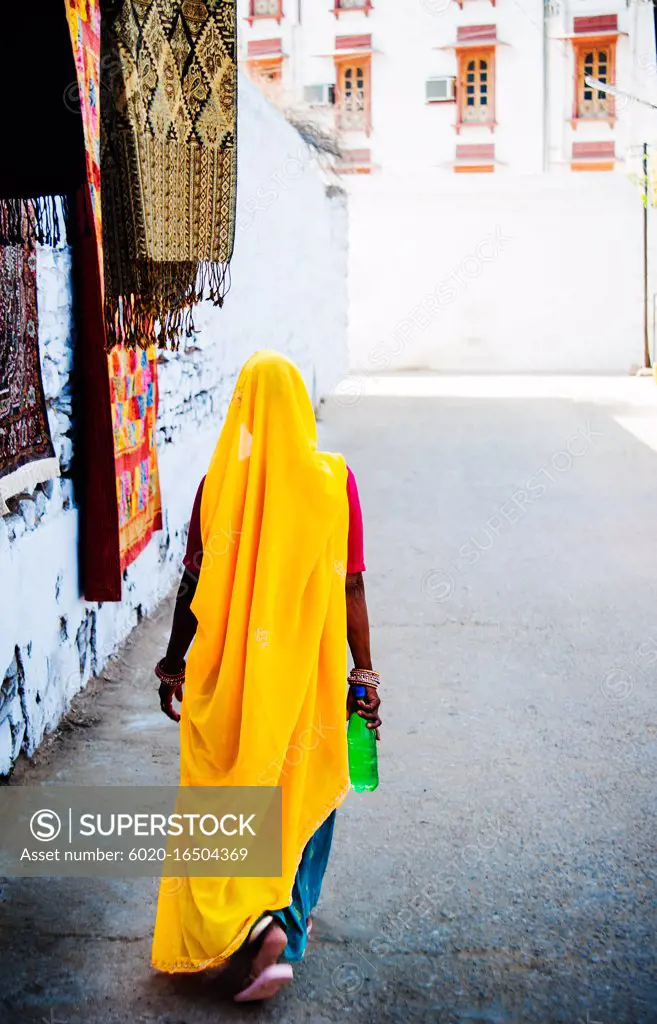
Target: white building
495	222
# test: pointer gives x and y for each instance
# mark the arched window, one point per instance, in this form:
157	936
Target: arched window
595	62
476	86
353	97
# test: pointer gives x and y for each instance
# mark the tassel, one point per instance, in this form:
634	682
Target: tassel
160	312
34	220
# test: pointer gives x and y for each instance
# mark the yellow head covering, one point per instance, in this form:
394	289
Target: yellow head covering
265	693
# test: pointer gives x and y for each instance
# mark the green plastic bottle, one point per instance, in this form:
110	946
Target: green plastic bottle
361	742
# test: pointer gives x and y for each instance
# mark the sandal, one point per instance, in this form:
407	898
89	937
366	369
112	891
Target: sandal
267	984
260	976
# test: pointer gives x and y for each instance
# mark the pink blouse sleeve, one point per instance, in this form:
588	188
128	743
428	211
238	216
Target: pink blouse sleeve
355	553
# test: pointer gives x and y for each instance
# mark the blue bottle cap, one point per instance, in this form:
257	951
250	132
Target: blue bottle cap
358	691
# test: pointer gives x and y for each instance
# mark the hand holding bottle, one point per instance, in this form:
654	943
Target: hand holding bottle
366	706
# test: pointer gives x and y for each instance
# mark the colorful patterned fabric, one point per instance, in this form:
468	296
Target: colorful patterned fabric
133	393
121	463
84	26
27	456
168	162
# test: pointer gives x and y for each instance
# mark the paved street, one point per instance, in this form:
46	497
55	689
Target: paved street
504	871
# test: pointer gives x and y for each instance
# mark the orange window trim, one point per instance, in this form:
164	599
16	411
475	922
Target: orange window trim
580	48
592	165
466	56
347	68
348	169
474	168
265	67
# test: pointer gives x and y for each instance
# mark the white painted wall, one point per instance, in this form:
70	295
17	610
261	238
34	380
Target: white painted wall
530	273
289	293
566	293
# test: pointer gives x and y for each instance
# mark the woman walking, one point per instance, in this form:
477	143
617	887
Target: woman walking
272	589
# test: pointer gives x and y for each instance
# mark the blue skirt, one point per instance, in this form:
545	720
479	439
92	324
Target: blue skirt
305	894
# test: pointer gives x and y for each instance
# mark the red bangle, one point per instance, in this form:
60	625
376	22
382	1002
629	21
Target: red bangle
167	678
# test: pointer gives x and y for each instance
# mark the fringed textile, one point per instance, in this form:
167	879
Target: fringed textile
168	163
41	219
133	393
27	457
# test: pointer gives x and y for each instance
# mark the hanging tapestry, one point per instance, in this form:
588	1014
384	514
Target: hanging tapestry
43	147
27	457
168	162
84	26
133	392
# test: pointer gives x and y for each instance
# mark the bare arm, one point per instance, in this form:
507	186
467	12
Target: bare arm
358	637
183	627
183	630
358	623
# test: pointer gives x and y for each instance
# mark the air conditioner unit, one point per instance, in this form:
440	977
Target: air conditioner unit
319	95
441	90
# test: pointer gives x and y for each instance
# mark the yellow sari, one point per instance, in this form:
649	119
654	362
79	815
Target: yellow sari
266	672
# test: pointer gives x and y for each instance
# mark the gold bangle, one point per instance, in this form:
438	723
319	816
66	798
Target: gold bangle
364	677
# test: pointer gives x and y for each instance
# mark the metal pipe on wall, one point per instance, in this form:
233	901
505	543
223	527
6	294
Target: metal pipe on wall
546	6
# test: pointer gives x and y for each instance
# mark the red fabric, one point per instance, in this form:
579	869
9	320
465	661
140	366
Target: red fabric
355	554
133	393
99	515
